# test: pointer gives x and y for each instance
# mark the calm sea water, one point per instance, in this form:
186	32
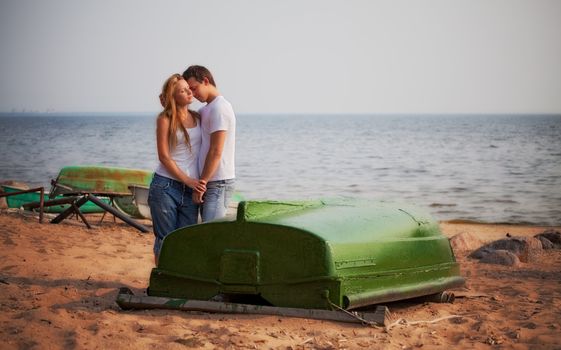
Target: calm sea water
482	168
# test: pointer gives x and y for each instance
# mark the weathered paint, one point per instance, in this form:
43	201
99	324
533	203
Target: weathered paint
99	180
105	181
300	254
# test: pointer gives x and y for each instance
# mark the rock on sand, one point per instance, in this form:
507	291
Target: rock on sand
526	249
465	241
550	239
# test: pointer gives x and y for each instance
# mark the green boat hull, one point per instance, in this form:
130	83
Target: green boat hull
110	181
309	255
100	179
18	200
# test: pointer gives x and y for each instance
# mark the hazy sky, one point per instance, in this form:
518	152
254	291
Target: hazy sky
295	56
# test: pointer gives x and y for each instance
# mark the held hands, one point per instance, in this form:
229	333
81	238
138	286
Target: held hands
197	185
199	190
198	197
201	186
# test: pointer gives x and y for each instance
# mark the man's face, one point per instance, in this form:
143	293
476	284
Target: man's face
198	89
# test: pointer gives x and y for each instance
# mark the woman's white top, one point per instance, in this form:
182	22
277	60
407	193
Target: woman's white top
187	159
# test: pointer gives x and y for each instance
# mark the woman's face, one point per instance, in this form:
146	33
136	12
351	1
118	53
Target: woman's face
182	94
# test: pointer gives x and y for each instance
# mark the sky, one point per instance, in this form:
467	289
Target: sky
290	56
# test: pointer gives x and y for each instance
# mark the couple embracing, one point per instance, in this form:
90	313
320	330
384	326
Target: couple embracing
196	154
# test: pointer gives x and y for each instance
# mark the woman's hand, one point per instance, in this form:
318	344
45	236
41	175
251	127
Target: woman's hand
198	197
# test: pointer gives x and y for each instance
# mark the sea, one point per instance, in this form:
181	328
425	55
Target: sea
482	168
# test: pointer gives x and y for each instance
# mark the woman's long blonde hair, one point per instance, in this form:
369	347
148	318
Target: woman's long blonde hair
170	111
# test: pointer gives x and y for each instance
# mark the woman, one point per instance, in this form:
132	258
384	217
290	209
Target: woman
178	135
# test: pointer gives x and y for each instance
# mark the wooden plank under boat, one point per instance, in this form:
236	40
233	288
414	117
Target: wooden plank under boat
314	254
127	300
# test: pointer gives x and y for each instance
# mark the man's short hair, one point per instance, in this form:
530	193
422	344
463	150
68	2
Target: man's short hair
199	73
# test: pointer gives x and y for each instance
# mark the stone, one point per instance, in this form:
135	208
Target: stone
481	253
525	248
501	257
552	236
465	241
546	243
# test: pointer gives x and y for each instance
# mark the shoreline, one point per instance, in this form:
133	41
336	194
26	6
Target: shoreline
476	222
58	285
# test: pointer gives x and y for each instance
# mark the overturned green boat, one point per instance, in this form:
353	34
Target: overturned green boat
103	180
316	254
99	180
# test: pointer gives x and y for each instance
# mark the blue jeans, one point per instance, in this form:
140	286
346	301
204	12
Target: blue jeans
171	206
216	199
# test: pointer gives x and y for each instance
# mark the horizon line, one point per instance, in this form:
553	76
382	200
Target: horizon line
99	113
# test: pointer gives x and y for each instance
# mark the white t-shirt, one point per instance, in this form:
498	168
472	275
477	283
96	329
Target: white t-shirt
215	116
187	160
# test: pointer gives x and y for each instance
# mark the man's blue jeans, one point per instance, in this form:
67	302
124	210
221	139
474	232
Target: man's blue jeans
216	199
171	206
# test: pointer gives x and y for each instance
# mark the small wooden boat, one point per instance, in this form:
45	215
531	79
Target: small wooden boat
19	200
99	180
315	254
113	182
140	199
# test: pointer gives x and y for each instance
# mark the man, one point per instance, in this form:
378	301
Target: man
216	159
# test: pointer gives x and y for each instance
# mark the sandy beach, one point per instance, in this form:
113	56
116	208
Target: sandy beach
58	285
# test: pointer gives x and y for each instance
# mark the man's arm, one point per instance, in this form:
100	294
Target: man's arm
214	155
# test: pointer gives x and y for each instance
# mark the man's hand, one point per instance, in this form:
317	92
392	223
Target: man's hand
196	185
200	186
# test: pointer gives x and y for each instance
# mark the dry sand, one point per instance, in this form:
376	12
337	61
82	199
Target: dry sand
58	285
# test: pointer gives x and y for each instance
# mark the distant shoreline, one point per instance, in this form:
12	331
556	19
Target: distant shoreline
292	114
74	114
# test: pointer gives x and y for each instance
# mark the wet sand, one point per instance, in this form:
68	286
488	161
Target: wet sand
58	285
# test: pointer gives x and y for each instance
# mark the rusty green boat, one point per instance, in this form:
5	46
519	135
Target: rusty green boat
312	254
113	182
